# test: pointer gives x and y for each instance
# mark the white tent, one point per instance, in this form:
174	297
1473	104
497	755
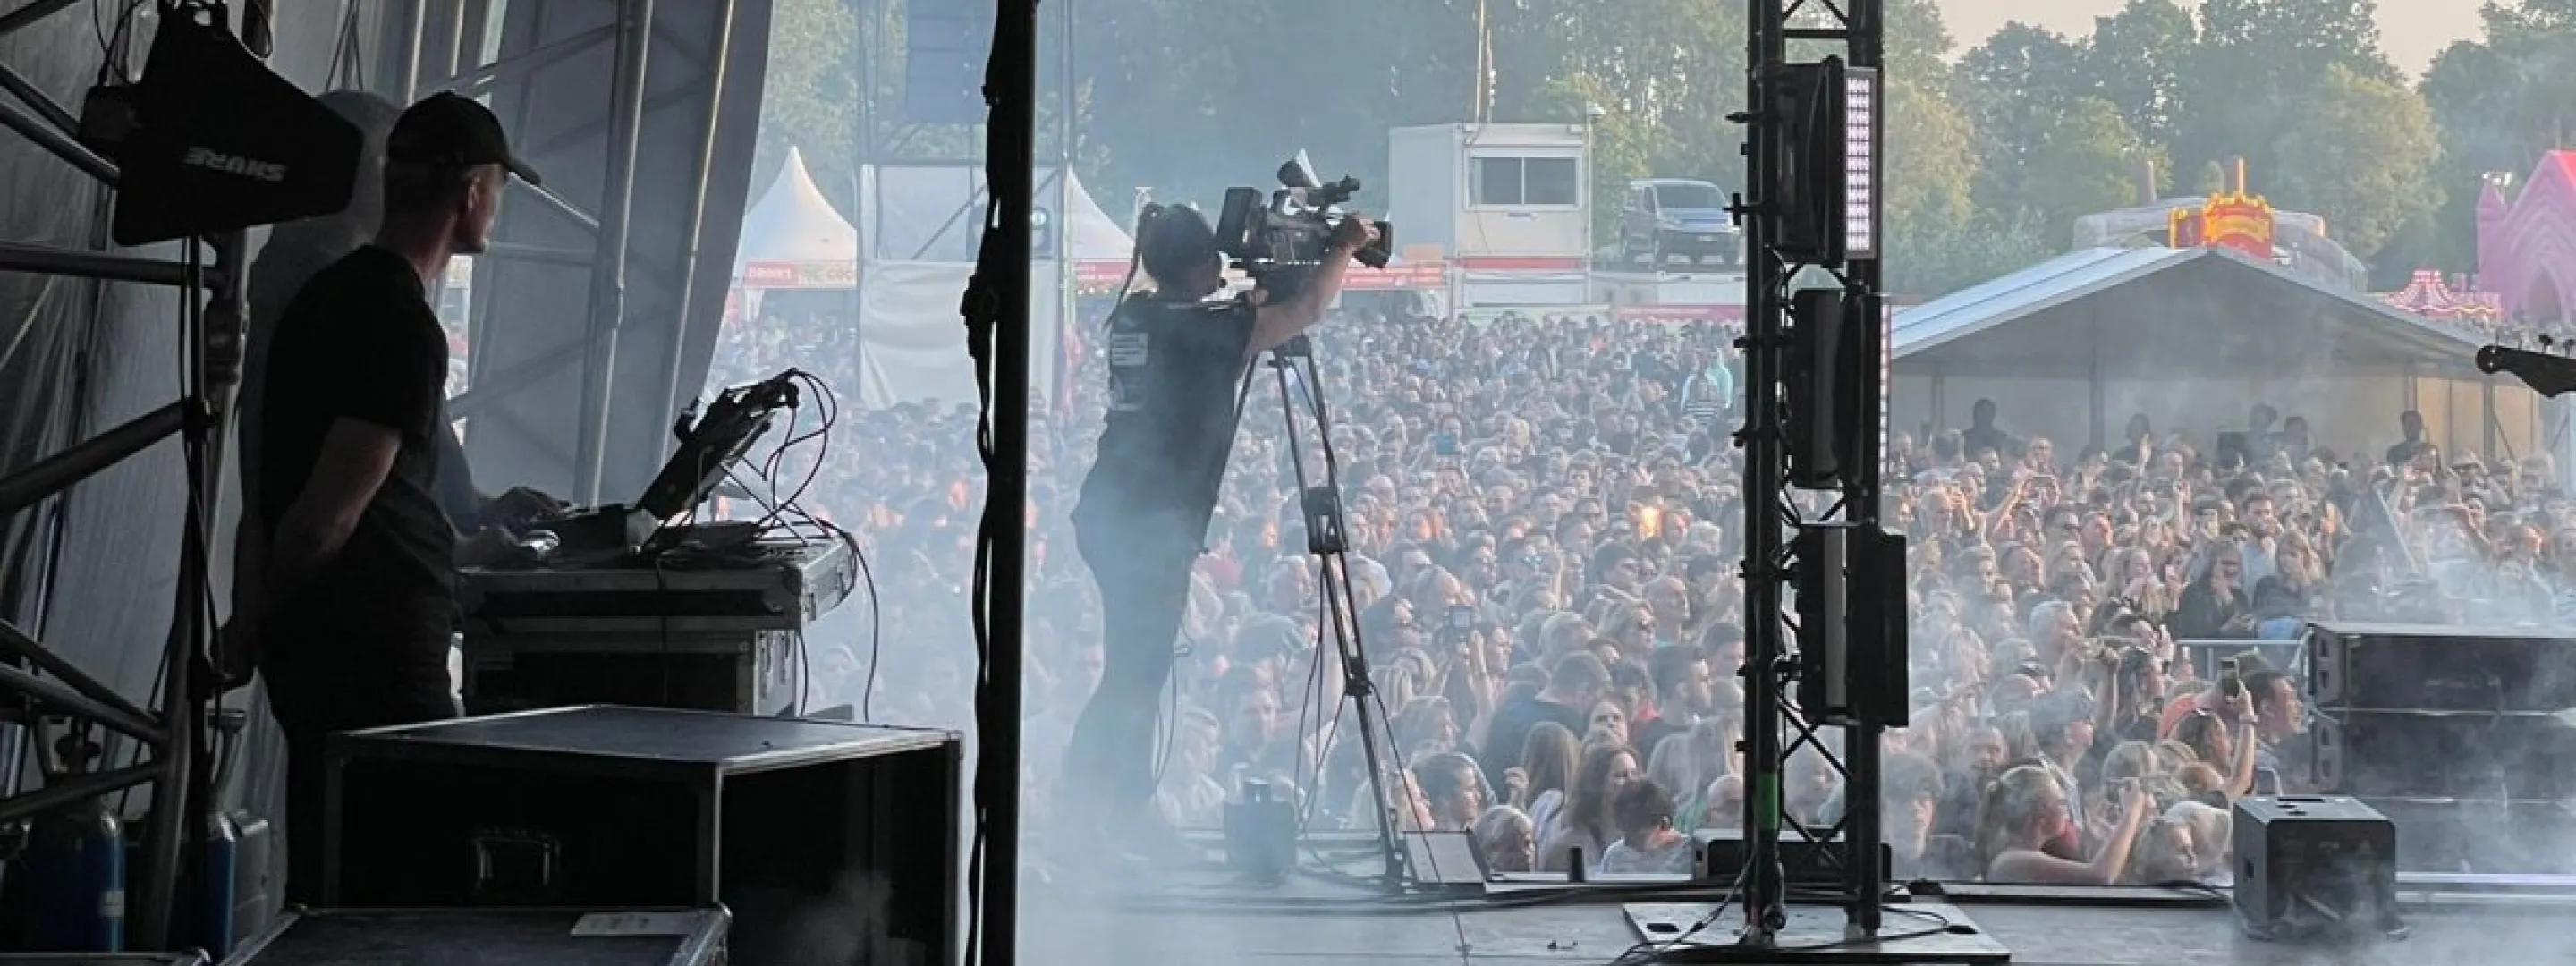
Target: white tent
933	213
793	238
922	224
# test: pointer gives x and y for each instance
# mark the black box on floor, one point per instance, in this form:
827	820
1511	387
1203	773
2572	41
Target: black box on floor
2297	852
812	833
1717	855
491	937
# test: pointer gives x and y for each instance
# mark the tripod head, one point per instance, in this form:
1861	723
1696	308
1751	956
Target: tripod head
1286	354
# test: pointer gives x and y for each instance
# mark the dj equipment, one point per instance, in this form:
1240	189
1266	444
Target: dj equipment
784	822
210	140
2455	733
2309	865
710	445
606	937
725	635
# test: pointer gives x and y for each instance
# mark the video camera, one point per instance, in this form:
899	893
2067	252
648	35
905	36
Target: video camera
1282	241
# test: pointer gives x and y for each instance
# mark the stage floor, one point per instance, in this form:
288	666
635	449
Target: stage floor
1215	923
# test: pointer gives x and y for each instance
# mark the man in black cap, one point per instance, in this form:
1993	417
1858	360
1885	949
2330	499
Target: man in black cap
356	595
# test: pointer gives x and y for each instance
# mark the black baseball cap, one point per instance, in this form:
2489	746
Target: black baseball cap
448	130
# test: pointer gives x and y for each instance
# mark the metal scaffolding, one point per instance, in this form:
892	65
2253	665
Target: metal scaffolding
643	116
211	341
1775	729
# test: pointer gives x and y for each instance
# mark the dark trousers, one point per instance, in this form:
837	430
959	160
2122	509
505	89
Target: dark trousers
326	675
1144	580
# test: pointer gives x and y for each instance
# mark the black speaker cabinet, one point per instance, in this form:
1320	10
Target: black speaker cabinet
614	937
2295	854
786	823
2444	754
2409	666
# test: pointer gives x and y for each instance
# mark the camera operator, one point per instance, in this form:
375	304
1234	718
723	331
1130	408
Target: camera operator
1176	365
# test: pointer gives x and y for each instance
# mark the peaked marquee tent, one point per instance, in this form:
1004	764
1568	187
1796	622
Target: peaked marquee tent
921	225
793	238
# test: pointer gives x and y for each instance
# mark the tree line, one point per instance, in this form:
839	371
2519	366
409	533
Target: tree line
1993	150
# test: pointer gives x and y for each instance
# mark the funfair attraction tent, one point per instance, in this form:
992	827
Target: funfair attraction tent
922	224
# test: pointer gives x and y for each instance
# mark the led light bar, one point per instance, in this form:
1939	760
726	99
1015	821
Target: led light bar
1860	164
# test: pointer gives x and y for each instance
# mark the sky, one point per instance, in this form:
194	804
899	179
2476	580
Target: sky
2411	30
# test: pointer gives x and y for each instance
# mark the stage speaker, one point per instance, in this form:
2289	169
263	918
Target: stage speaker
945	46
1851	632
1807	117
1832	388
210	140
2314	864
2445	754
2391	666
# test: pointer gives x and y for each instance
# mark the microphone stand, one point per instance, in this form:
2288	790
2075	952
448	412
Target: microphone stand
1330	543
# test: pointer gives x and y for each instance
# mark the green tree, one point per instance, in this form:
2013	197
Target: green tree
1918	42
2082	161
2257	65
2360	154
2137	57
2046	147
1930	165
1664	75
1931	155
2498	104
1931	259
810	99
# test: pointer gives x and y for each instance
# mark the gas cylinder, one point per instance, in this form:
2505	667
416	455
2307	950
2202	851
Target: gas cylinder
76	871
219	885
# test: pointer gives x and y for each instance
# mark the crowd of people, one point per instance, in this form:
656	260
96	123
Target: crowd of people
1544	514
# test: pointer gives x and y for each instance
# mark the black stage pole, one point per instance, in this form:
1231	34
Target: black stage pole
997	323
1866	879
1764	343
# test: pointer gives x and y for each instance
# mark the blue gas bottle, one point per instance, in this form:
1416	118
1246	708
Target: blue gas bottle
219	885
76	869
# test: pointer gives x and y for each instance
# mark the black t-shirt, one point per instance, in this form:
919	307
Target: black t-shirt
360	341
2405	452
1175	375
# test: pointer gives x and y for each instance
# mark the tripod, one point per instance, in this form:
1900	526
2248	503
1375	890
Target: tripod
1330	543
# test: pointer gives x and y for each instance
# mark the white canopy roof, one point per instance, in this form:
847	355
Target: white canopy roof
794	223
